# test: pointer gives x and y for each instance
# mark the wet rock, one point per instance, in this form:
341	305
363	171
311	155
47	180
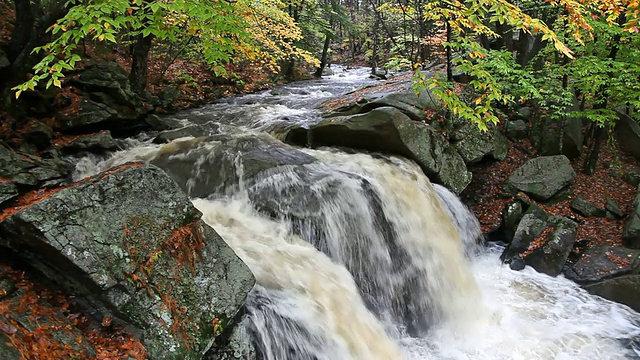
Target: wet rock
511	215
624	290
516	129
204	166
388	130
39	135
408	102
110	103
30	170
198	130
542	177
602	262
130	244
7	190
631	232
35	317
586	208
99	142
542	241
162	123
238	346
474	145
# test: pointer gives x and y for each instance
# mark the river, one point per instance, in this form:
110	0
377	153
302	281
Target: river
384	265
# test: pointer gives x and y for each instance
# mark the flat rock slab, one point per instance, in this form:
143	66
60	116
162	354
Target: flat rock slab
130	242
542	177
602	262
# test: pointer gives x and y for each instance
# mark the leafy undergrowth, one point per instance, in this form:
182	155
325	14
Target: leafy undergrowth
486	195
33	318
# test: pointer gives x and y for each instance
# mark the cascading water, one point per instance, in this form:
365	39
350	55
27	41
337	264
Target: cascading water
359	256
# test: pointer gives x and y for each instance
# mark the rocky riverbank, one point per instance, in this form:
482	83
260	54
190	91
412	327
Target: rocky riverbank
128	248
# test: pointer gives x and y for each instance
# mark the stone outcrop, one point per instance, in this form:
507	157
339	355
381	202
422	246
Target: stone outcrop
541	241
542	177
131	245
388	130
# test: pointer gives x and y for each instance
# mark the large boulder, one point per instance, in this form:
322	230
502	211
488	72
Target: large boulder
29	170
624	290
542	177
131	245
389	130
110	103
541	241
627	132
411	103
207	165
631	232
553	136
474	144
602	262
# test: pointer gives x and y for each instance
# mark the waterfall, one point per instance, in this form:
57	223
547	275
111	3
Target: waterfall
358	256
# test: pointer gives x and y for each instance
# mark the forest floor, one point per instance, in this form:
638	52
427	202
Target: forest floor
486	196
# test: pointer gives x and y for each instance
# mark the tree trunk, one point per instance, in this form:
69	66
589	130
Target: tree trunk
325	53
140	59
449	63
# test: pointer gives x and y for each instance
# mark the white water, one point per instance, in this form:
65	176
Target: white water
307	305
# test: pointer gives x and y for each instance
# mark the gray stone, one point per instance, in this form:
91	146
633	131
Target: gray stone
131	244
516	129
7	191
542	177
407	101
162	123
627	132
197	130
631	232
511	215
612	207
632	178
474	145
36	317
91	113
602	262
4	60
553	136
110	79
168	96
624	290
98	142
221	160
524	113
388	130
38	134
542	241
586	208
238	346
25	169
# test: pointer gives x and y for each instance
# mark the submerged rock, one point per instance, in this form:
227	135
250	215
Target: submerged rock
542	177
132	245
388	130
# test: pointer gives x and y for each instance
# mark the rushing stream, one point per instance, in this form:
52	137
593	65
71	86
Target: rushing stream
375	262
